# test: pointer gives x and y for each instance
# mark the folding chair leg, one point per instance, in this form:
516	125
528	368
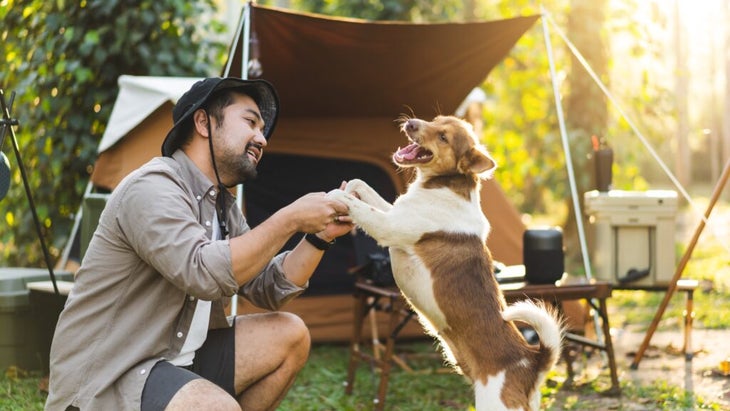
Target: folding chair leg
359	316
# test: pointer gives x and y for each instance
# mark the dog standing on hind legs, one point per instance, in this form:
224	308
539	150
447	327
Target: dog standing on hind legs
436	233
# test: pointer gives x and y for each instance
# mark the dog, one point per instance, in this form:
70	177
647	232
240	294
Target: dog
436	233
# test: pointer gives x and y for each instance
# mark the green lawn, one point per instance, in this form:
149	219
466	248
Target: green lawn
320	387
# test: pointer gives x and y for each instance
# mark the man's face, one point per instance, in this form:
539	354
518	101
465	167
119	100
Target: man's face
239	140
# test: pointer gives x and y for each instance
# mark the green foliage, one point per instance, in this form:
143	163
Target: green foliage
521	125
63	58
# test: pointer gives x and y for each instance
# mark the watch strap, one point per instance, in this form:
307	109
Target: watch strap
317	242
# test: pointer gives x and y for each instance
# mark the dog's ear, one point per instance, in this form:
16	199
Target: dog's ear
476	161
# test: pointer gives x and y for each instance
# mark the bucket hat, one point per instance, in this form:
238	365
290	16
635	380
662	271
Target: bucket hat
261	91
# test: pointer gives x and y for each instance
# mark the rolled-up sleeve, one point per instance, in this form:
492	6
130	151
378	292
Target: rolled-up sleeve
175	244
271	289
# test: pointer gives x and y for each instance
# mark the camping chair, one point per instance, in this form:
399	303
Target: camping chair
375	291
373	268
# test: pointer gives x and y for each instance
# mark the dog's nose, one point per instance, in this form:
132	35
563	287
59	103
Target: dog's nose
412	125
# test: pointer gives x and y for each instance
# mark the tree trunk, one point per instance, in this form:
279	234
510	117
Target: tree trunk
683	163
469	10
725	135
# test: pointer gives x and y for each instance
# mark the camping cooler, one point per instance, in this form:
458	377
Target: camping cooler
20	324
633	231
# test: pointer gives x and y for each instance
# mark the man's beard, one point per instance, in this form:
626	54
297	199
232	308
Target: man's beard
248	170
241	168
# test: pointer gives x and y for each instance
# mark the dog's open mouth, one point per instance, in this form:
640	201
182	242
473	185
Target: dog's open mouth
412	154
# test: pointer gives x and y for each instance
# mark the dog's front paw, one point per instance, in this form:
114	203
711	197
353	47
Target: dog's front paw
339	195
336	194
353	185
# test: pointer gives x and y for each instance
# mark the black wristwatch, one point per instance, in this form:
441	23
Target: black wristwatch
318	243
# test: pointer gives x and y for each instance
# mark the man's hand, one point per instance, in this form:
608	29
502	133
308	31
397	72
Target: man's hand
316	213
341	225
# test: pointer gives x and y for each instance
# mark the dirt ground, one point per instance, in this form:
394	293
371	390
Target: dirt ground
663	361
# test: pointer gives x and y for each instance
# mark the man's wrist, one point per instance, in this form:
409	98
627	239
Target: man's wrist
318	242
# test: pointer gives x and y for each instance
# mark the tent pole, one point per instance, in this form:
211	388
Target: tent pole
566	149
234	43
569	166
244	28
245	47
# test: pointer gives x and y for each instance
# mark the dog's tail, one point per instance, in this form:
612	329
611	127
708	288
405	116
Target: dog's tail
546	323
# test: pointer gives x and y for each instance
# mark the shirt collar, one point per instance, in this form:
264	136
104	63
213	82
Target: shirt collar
199	182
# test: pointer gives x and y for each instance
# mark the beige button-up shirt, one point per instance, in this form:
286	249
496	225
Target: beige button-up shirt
134	296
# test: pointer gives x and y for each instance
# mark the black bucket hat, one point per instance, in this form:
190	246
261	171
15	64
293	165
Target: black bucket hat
260	90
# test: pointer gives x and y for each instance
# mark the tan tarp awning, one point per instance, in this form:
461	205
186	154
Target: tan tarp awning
330	67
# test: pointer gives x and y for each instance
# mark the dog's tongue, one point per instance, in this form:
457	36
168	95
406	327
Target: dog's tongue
409	152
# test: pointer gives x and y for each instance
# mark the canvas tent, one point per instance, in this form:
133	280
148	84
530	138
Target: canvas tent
342	85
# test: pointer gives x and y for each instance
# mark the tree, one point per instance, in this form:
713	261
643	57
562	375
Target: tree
726	95
63	58
683	153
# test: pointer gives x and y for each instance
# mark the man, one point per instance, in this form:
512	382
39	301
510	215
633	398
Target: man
145	327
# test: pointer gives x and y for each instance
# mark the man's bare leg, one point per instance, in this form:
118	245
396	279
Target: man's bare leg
201	394
271	348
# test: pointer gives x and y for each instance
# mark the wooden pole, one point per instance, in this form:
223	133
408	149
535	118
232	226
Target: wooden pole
682	265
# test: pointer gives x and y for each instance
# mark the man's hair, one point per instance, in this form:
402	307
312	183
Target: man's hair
215	105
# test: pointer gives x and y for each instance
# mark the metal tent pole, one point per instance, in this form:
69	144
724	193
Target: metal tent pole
566	149
74	229
569	166
244	28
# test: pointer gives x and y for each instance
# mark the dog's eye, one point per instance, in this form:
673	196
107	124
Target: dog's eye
442	137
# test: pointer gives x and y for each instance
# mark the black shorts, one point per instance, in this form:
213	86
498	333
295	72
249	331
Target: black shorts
214	361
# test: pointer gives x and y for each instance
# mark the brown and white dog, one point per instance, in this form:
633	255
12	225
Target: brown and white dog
437	233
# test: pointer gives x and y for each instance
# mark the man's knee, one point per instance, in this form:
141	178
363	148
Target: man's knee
298	329
294	337
288	328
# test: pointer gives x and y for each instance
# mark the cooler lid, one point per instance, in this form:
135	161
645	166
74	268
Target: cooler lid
14	281
640	201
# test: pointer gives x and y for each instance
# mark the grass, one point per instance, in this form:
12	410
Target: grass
322	383
20	392
320	387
